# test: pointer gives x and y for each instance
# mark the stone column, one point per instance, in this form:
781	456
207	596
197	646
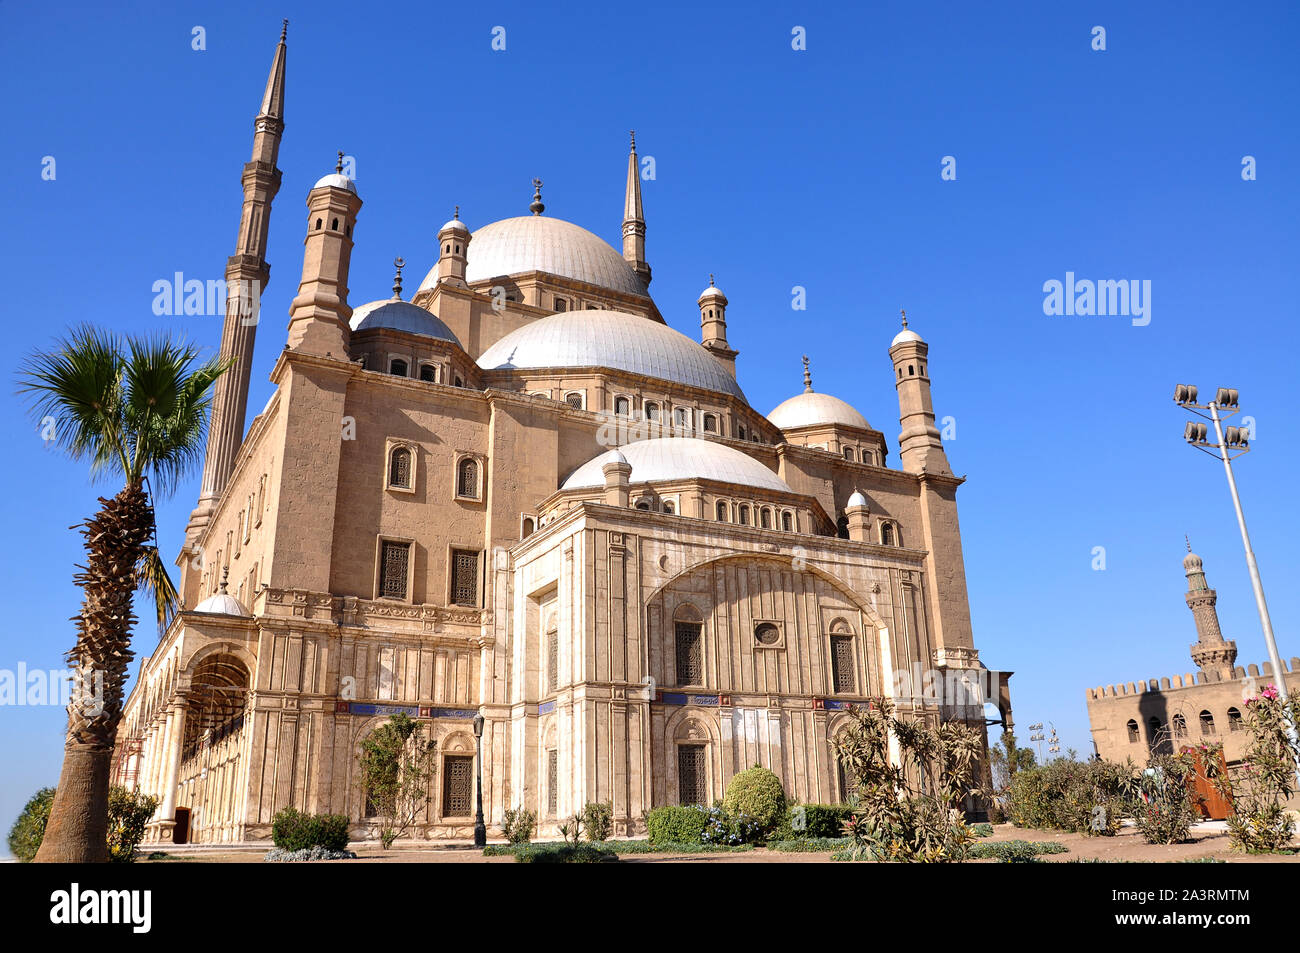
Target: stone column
171	765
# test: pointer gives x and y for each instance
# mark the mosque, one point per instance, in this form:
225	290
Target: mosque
519	503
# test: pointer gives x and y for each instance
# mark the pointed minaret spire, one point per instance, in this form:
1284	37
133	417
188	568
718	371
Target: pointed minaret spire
399	263
634	217
247	274
807	376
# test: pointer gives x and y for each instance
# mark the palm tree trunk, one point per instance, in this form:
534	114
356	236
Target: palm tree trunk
114	540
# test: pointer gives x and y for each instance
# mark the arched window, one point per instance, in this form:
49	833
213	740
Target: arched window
710	423
742	515
397	367
765	518
682	417
527	527
1207	723
688	632
668	507
1133	731
334	225
467	478
842	527
848	453
652	411
787	522
428	373
399	468
1234	720
622	406
886	533
740	431
318	224
574	400
1180	726
721	511
1154	728
643	504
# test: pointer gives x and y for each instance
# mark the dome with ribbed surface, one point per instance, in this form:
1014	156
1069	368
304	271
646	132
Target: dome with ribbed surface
526	243
612	340
221	603
811	409
679	458
400	315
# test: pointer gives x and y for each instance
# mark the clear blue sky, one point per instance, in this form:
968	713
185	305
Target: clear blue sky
775	168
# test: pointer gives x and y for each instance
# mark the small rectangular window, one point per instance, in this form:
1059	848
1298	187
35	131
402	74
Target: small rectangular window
553	659
464	577
457	786
561	304
394	558
552	782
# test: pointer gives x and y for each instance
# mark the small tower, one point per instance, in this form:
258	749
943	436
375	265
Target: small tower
713	326
453	251
1212	654
318	316
920	448
247	274
634	218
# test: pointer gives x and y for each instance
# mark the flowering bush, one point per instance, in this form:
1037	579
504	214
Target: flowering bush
1163	810
731	829
1260	788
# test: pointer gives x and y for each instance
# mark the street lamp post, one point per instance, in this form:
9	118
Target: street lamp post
480	829
1235	438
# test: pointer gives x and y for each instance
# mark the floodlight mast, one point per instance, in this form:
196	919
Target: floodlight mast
1227	398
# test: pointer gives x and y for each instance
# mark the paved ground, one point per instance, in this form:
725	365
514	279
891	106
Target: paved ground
1208	840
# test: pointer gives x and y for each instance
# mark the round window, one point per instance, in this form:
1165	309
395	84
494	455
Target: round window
767	634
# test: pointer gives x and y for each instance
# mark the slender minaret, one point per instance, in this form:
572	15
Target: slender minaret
1212	654
634	218
920	448
713	326
247	274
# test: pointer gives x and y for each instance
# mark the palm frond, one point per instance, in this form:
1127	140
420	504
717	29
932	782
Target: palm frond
151	577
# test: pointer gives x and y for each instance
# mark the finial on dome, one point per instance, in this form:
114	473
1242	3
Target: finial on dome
710	279
399	263
904	314
338	168
455	216
1189	542
537	208
225	576
284	31
807	376
633	135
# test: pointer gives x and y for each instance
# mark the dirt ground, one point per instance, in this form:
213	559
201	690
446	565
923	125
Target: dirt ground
1208	840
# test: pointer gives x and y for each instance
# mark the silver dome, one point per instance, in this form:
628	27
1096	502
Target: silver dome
614	340
400	316
679	458
513	246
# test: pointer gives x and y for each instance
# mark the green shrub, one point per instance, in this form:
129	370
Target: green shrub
518	826
756	793
1015	851
128	813
1084	796
293	830
29	830
677	825
982	830
808	844
813	821
564	854
598	819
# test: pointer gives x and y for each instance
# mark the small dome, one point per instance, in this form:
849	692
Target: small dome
400	316
336	180
857	499
615	456
811	409
679	458
906	335
1192	562
221	603
613	340
455	225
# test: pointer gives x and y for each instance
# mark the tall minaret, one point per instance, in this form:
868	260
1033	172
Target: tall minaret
920	448
713	326
247	274
1212	654
634	218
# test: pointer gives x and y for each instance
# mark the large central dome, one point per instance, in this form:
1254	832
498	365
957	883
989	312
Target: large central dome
613	340
514	246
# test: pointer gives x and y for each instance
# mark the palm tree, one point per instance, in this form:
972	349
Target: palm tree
135	408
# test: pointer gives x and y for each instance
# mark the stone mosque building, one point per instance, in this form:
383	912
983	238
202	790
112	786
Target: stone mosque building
1167	714
521	494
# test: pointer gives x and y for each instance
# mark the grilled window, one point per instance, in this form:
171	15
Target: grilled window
767	634
552	782
842	662
622	406
692	774
652	412
765	518
399	468
553	659
574	400
457	786
1234	720
561	304
787	522
467	478
710	423
428	373
848	453
1207	723
394	558
886	534
690	654
397	368
464	577
1132	731
722	512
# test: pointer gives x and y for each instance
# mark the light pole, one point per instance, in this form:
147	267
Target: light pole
1235	438
1039	737
480	829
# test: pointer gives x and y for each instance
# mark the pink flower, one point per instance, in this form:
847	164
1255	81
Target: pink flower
1270	691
